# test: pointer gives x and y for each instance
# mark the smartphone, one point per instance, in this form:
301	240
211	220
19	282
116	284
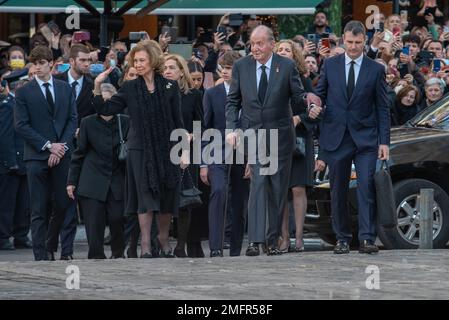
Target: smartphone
222	29
403	69
325	42
404	15
137	36
446	29
63	67
53	27
406	50
396	31
197	54
381	27
80	36
312	37
436	65
430	11
103	53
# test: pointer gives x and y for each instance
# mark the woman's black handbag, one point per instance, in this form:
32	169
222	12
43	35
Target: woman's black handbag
123	148
190	197
386	204
300	147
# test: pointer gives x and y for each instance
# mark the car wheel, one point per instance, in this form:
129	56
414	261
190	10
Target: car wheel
406	234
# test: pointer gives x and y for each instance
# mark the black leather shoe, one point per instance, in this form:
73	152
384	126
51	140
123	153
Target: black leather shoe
131	252
7	245
367	246
180	252
342	247
272	251
147	255
51	256
167	254
253	250
226	245
67	258
195	250
27	244
216	253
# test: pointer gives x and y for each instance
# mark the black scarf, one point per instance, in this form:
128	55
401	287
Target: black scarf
159	171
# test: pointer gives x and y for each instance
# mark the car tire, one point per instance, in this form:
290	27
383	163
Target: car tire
392	238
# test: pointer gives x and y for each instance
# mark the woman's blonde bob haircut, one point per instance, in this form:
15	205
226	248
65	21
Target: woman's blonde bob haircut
185	82
154	52
298	57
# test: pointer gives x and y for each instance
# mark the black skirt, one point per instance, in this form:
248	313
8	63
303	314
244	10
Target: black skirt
302	168
139	201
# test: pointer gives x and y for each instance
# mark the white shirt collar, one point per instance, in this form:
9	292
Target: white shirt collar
227	87
71	79
40	82
268	64
358	61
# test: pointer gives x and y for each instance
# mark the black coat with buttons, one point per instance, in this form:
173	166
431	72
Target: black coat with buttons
94	168
11	143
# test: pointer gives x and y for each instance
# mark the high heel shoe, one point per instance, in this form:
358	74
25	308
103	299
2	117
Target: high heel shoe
167	254
295	248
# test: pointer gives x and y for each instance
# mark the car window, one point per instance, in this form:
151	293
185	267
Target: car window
435	116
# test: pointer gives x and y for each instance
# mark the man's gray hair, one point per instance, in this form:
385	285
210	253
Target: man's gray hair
269	32
434	81
356	27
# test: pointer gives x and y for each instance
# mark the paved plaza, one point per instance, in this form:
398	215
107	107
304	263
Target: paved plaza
401	274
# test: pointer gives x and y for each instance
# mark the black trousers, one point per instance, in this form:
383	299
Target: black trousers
42	183
14	208
95	212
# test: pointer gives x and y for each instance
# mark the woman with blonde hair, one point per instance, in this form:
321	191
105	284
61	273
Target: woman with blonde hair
301	175
152	179
175	68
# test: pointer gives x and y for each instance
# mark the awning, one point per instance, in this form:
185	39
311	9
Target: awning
175	7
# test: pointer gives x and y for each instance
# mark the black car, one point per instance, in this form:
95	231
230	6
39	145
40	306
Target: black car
419	158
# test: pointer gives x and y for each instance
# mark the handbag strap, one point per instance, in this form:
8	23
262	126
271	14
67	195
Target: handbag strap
120	129
190	176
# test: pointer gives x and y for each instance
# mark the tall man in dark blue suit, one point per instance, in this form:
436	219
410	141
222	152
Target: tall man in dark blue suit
45	116
216	174
355	127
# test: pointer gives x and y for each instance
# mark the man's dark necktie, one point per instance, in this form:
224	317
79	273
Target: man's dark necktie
49	97
351	80
74	84
263	85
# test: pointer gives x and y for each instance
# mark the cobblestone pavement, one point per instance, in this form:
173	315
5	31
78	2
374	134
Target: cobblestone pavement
404	274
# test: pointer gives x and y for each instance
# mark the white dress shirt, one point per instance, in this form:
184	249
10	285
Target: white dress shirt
50	87
78	86
357	66
227	87
259	70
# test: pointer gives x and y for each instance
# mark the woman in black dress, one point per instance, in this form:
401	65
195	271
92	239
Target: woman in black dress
175	68
301	175
153	179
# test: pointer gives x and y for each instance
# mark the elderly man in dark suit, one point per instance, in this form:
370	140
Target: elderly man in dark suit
264	86
355	127
82	85
45	116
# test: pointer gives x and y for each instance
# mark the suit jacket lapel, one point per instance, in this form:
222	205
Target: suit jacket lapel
361	78
272	77
41	96
253	78
342	76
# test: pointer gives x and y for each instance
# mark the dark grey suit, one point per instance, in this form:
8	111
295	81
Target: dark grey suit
267	193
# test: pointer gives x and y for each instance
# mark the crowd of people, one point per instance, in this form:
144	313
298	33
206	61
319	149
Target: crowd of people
68	108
